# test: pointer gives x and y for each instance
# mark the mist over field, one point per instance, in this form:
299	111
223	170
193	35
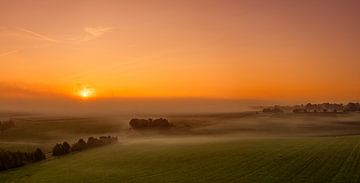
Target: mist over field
114	106
241	147
32	130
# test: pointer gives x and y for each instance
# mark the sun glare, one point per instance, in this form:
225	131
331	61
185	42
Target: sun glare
86	92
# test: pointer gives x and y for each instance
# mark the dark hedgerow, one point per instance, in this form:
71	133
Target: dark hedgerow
65	148
59	150
78	146
10	159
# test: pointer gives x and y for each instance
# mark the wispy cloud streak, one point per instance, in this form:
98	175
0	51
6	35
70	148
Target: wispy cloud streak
95	32
89	33
39	36
8	53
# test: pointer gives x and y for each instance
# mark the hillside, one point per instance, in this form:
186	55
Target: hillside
320	159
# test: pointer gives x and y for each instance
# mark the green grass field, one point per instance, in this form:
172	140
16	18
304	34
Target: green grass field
241	147
309	159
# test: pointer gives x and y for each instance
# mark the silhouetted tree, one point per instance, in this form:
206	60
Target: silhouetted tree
66	147
352	107
78	146
61	149
39	155
57	150
92	142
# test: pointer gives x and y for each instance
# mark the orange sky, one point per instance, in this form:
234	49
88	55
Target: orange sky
266	49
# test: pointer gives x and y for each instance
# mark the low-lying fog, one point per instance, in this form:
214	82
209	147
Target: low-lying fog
35	130
116	106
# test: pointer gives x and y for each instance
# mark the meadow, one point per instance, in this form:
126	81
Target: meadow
321	159
241	147
43	131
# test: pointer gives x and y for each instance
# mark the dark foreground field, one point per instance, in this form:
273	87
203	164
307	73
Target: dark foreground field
321	159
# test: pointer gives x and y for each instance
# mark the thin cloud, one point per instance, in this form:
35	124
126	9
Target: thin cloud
39	36
95	32
15	89
90	33
8	53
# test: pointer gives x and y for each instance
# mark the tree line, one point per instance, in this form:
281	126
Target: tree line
65	148
315	108
160	123
10	159
327	107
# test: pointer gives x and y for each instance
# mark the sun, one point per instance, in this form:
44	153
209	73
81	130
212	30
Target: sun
86	92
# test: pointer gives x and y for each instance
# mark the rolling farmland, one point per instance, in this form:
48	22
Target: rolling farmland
321	159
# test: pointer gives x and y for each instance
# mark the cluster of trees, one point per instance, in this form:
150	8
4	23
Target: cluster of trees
314	108
4	125
150	123
352	107
10	159
327	107
65	148
61	149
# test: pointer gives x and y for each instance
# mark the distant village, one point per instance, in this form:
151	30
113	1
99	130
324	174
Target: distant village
314	108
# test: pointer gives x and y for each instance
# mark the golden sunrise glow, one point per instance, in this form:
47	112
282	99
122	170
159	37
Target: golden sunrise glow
225	49
86	92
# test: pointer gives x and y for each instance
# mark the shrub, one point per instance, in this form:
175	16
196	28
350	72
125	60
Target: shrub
61	149
78	146
39	155
66	147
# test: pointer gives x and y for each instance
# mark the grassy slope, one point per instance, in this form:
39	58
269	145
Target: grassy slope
29	134
327	159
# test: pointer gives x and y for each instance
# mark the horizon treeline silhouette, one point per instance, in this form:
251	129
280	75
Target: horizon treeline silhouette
315	108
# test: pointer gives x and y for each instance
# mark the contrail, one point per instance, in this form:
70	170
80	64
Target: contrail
39	36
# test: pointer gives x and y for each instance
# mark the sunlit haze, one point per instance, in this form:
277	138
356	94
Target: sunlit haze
266	50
